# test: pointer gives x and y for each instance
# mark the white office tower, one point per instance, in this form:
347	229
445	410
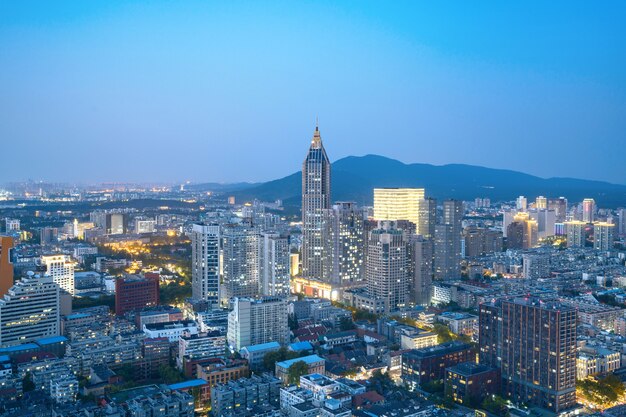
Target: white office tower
315	199
275	256
241	261
29	311
603	235
344	232
255	321
421	252
205	262
61	269
589	209
387	266
521	203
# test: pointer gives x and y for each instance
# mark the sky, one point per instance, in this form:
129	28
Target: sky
168	91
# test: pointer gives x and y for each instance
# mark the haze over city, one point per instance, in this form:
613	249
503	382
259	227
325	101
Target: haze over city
226	92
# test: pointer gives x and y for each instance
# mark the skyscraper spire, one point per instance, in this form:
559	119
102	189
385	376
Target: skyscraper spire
315	199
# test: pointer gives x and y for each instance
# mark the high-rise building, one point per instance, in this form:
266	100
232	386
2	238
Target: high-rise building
427	217
447	261
241	261
315	199
421	251
603	236
521	203
133	293
533	342
529	232
61	269
256	321
345	243
12	225
575	232
541	203
116	223
536	265
29	311
546	219
559	205
399	204
205	262
387	266
144	225
589	209
621	221
6	267
479	242
48	235
274	261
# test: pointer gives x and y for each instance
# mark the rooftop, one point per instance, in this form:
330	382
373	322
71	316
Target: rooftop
262	346
188	384
306	359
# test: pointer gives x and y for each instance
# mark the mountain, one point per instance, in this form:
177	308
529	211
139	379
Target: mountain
354	177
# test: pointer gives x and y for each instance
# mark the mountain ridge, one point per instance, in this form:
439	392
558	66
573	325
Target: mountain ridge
354	177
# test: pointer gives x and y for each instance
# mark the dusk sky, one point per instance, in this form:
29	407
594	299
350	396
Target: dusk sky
201	91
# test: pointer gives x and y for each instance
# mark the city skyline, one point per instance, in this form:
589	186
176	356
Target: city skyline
111	91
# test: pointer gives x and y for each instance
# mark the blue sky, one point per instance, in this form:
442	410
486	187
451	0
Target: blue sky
229	91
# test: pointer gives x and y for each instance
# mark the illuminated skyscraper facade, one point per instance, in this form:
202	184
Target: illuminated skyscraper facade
205	262
241	261
315	199
6	267
533	342
589	209
29	311
387	266
61	269
345	243
398	204
603	235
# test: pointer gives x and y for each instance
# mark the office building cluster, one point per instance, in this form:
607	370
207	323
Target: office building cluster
183	301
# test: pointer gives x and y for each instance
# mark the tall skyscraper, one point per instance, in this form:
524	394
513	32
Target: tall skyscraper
448	241
541	203
533	342
603	236
401	204
6	267
575	232
387	266
621	221
529	229
256	321
241	261
589	209
521	203
421	267
315	199
29	311
274	262
61	269
345	236
559	205
205	262
427	217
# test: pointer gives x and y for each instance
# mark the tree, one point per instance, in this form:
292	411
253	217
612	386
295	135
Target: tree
381	382
496	405
601	392
169	375
296	370
282	354
443	333
346	323
292	320
27	383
